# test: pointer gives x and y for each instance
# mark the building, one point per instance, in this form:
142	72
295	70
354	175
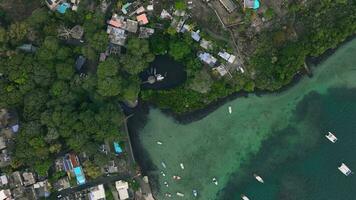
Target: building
42	189
146	32
226	56
28	178
70	161
207	58
221	70
97	193
2	143
165	14
205	44
195	35
125	7
62	184
3	180
5	194
131	26
122	188
254	4
79	175
142	19
116	35
229	5
16	179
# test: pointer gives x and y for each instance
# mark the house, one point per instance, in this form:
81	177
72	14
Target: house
165	14
180	24
131	26
254	4
195	35
125	7
70	161
28	48
97	192
2	143
79	175
42	189
28	178
207	58
150	7
5	194
79	63
62	184
221	70
16	179
122	188
5	158
146	32
186	28
226	56
142	19
116	35
3	180
229	5
140	10
205	44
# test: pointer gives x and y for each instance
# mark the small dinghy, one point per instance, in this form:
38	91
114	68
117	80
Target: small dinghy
163	174
168	195
330	136
182	166
215	181
163	165
166	183
159	143
258	178
180	194
230	109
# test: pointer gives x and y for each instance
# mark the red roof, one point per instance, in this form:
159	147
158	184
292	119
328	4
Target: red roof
74	160
115	23
142	19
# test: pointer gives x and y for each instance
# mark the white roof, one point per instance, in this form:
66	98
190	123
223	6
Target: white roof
3	194
226	56
97	192
121	187
4	180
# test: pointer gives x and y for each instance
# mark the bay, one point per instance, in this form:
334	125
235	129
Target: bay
280	136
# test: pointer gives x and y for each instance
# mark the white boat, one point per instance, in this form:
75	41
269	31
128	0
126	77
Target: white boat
163	174
258	178
177	177
345	169
230	109
166	183
215	181
159	77
330	136
180	194
163	165
244	197
159	143
195	193
182	166
168	195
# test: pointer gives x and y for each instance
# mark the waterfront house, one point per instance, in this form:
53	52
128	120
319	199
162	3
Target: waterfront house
229	5
122	188
97	192
207	58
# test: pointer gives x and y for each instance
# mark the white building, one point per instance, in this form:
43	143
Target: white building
122	188
5	195
97	193
226	56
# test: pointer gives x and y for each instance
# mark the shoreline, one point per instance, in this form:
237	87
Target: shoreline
138	120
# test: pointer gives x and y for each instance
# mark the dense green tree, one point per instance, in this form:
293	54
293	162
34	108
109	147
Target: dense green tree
178	49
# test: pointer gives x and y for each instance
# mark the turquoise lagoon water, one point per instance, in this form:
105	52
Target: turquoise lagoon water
280	136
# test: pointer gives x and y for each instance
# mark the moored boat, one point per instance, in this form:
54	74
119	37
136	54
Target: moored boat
182	166
159	143
258	178
330	136
244	197
180	194
195	193
230	109
215	181
345	169
163	165
177	177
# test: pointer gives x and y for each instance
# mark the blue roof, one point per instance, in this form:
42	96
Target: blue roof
63	8
117	147
79	175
